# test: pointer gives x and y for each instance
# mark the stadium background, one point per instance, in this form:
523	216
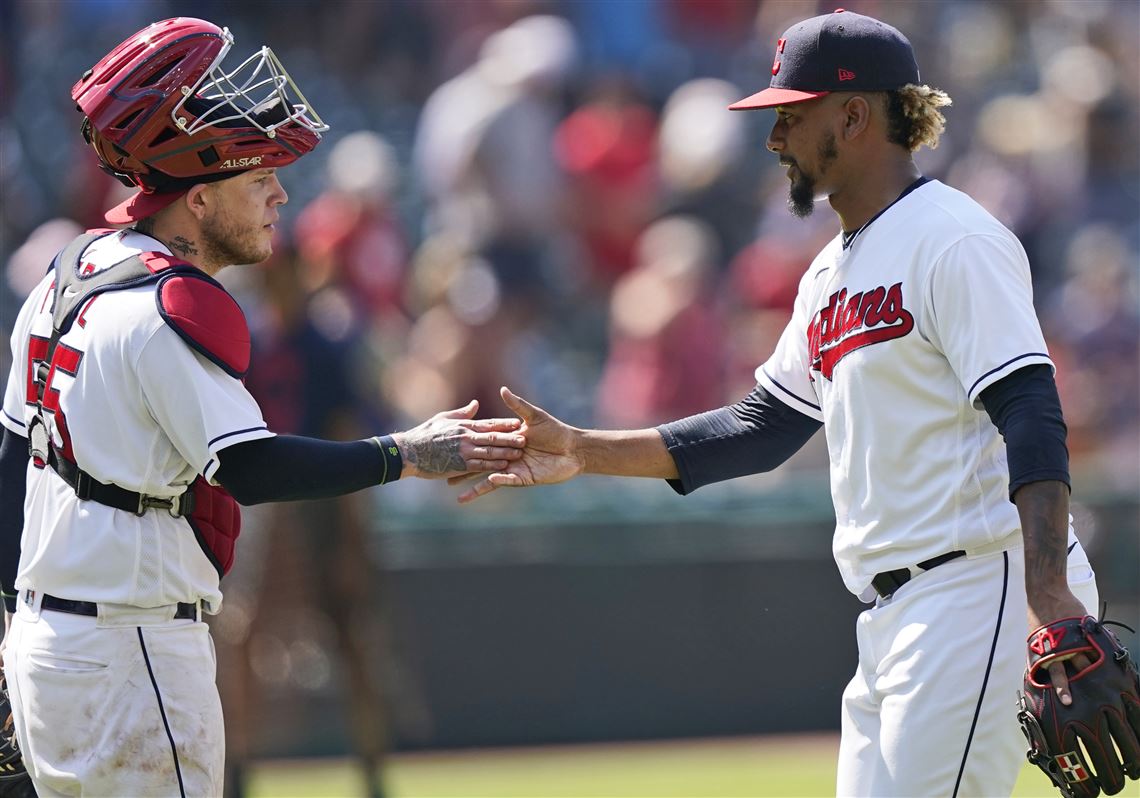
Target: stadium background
552	196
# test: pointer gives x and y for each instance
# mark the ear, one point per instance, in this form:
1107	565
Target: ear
198	200
856	117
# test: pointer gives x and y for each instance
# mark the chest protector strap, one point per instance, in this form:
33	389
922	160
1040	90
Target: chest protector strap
212	513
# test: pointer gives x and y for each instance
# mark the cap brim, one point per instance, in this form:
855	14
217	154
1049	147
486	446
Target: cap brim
140	206
770	98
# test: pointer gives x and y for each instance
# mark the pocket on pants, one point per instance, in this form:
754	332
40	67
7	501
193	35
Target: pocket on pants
64	663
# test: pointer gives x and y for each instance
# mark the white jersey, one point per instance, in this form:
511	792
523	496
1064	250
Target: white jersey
891	341
139	409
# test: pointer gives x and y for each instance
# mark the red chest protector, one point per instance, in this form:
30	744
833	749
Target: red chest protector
207	318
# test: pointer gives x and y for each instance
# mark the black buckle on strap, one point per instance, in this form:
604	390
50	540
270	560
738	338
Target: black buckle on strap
88	488
887	582
177	506
84	484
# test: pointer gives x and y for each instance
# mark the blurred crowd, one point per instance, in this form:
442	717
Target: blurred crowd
553	196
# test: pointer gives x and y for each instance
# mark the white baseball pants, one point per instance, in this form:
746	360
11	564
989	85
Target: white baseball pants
931	710
124	704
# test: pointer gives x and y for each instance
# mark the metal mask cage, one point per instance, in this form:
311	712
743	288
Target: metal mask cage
258	85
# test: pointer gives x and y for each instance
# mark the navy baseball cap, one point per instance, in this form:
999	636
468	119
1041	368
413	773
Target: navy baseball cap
841	51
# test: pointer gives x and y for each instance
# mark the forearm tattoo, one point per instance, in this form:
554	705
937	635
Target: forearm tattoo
1044	519
434	453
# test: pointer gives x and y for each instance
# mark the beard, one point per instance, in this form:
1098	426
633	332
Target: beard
228	243
801	193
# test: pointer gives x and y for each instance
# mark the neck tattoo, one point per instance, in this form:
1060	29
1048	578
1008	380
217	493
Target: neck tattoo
184	246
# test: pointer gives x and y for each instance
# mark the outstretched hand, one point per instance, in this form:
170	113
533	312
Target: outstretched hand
550	455
455	443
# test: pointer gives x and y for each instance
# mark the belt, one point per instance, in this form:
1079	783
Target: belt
184	612
887	582
86	487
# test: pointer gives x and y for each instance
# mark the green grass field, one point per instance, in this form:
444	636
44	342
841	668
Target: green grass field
733	768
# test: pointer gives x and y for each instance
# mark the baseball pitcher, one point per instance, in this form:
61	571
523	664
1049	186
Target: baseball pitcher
915	346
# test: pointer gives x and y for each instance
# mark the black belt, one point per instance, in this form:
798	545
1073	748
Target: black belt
184	612
120	498
888	582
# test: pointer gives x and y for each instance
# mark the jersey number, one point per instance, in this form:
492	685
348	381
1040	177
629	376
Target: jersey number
66	360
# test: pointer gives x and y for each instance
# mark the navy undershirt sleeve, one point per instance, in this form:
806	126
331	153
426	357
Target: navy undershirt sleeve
291	467
1026	409
13	485
749	437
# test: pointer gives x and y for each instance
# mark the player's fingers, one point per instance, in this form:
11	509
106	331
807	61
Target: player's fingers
459	479
467	411
495	453
527	411
514	440
1060	683
1078	663
484	464
492	424
480	488
489	483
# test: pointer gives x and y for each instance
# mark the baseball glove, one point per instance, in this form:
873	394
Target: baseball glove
14	779
1074	744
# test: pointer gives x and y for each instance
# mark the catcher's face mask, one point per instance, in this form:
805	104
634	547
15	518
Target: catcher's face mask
163	113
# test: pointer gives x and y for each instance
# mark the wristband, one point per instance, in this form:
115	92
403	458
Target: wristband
393	462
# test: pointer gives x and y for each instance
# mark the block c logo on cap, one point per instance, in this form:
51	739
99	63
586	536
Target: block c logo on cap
779	49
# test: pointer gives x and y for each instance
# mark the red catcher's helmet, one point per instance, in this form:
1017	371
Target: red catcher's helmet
163	115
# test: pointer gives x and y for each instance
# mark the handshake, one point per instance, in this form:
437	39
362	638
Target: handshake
533	449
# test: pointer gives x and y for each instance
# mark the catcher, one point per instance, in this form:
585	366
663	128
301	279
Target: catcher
129	439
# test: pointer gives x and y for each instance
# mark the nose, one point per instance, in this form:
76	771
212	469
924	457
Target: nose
278	196
775	142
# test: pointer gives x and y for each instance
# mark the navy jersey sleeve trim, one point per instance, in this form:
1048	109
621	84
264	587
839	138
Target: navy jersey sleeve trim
792	395
752	436
1002	366
15	420
236	432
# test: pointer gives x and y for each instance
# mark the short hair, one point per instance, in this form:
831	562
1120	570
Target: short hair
913	118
